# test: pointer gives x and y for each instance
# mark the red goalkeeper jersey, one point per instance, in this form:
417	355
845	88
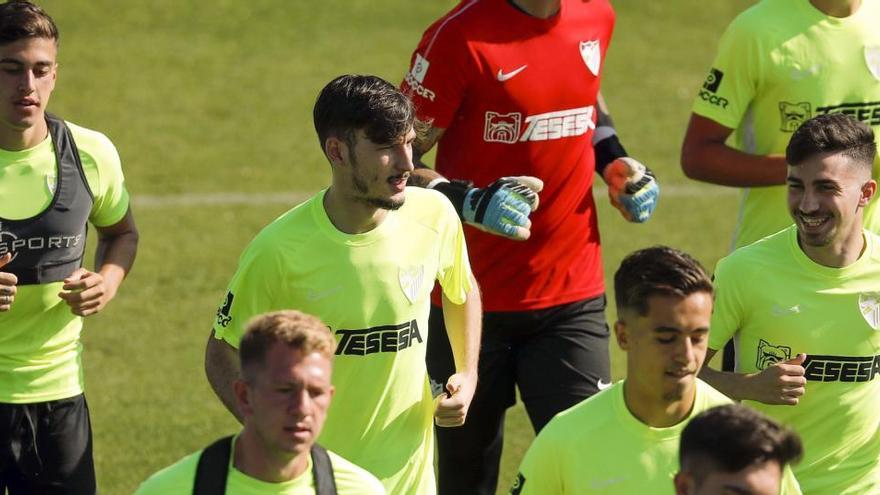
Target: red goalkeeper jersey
516	95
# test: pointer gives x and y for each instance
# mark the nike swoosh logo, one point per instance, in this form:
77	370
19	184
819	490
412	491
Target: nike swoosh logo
503	77
602	385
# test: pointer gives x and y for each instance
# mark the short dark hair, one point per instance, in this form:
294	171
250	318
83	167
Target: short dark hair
362	102
832	133
658	270
20	19
733	437
298	330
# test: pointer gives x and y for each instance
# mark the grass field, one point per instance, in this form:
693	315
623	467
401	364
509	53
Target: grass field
210	104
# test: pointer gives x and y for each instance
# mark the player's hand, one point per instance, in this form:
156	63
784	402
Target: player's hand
632	188
7	284
783	383
502	208
452	408
85	292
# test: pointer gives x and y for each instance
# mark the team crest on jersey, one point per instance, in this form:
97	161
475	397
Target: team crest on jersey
869	305
872	58
769	354
411	280
592	55
502	127
792	115
51	182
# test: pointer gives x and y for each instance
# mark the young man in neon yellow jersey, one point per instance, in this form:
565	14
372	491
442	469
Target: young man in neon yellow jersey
283	395
802	307
734	450
624	440
779	63
55	178
363	255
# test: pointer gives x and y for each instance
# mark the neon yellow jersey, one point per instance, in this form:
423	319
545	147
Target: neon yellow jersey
780	63
373	291
40	350
599	447
777	303
180	477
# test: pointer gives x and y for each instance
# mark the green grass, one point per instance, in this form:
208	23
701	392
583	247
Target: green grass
207	97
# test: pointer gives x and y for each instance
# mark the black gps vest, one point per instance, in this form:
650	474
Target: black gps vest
49	246
213	468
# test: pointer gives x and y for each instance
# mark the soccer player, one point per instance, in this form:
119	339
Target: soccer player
55	178
734	450
363	255
512	90
624	439
778	64
802	307
283	396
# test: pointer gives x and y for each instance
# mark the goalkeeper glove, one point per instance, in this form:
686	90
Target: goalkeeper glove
502	208
632	187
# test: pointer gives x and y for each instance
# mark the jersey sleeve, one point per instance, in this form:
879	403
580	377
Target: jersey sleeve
111	196
454	274
249	294
727	315
439	71
177	478
539	472
733	79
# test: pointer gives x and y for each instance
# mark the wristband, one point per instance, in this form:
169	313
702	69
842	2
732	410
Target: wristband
607	150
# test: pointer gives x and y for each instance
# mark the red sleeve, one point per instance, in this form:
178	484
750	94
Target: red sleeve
439	72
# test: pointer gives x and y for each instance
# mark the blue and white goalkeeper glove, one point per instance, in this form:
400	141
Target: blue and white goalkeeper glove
502	208
632	188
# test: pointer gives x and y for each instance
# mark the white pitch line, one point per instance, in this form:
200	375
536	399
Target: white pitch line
149	201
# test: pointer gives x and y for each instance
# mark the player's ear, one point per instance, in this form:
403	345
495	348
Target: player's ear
684	484
241	390
868	190
335	149
620	331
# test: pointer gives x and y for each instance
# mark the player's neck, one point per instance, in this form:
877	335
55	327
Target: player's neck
837	8
22	139
349	215
256	460
654	410
542	9
837	254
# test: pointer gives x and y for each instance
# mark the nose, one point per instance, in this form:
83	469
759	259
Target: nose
808	201
300	403
685	353
404	161
27	82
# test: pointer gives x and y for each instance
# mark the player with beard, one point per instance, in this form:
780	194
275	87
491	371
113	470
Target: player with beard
803	307
624	440
363	256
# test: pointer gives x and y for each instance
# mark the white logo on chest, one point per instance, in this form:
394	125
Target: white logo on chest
869	305
411	279
872	58
592	55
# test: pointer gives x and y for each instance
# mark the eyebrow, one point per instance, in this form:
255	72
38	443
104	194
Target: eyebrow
19	62
737	490
665	330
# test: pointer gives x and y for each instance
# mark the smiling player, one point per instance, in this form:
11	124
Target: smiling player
808	335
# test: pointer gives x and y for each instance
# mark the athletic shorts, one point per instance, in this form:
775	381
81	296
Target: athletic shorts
46	448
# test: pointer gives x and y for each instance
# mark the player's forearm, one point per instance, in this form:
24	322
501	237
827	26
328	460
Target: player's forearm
717	163
115	253
221	368
464	328
422	175
733	385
